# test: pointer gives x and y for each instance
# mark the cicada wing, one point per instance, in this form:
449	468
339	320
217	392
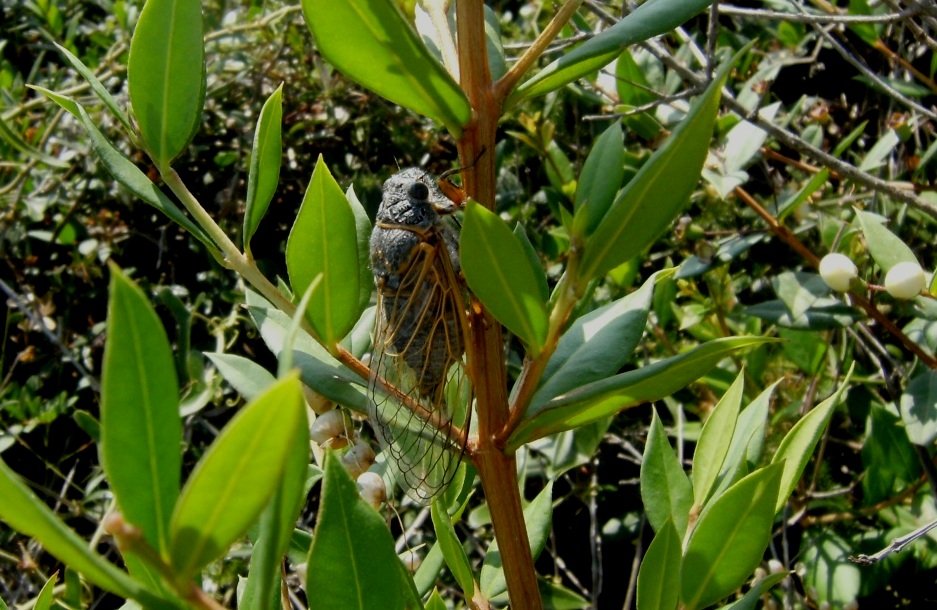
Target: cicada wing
420	391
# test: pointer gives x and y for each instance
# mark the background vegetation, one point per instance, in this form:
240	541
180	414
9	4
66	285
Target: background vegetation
845	99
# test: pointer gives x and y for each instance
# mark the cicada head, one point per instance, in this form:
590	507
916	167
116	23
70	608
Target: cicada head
411	198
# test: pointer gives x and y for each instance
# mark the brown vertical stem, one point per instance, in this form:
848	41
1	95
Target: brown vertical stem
497	470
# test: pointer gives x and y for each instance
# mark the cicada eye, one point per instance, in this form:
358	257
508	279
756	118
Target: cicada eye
418	190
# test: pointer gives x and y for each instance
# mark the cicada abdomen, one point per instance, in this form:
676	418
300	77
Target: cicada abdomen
420	391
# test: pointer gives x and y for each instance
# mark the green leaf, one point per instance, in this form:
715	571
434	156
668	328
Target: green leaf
661	188
24	512
363	231
730	539
323	240
715	440
798	445
601	177
534	259
499	273
747	440
665	489
649	20
750	600
352	563
318	369
166	76
429	570
372	43
435	602
125	172
538	518
452	551
919	408
266	155
597	344
46	594
236	477
141	431
659	576
885	247
97	87
609	396
278	521
246	376
557	597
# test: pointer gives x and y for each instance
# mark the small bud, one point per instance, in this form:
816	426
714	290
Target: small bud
358	458
905	280
331	429
775	566
372	489
838	271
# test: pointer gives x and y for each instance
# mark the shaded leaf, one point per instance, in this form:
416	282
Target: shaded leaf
919	408
246	376
452	551
609	396
499	273
601	176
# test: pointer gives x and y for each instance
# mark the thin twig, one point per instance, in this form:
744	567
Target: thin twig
822	19
896	546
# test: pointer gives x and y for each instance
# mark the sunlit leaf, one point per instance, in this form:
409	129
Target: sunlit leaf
265	164
730	539
352	563
715	439
141	431
323	241
885	247
665	489
236	477
659	576
166	76
659	191
452	550
372	43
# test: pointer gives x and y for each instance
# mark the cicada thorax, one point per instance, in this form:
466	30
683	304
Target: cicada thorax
420	390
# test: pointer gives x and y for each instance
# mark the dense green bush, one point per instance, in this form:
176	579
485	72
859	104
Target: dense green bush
795	165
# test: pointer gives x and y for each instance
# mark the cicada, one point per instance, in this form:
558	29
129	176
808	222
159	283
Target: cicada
420	391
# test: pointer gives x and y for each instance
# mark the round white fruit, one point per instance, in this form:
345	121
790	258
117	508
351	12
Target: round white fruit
838	271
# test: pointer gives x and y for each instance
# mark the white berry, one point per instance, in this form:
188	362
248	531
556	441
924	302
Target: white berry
838	271
372	489
905	280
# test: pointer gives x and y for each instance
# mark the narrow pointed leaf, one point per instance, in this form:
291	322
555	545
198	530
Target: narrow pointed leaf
363	232
246	376
166	76
649	20
125	172
601	176
665	489
730	539
352	563
278	521
534	259
600	399
141	431
266	154
25	513
97	87
798	445
659	191
236	478
501	276
452	550
715	440
323	240
46	594
372	43
597	345
659	576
